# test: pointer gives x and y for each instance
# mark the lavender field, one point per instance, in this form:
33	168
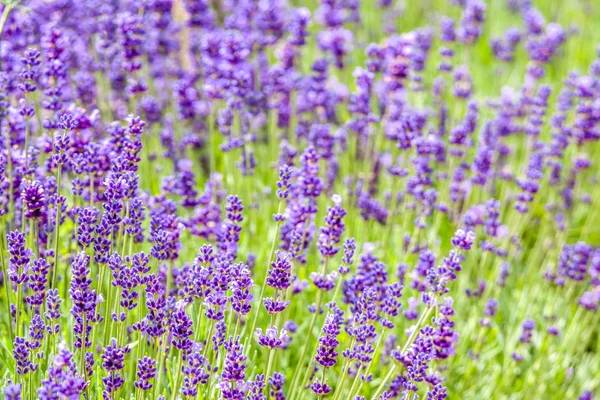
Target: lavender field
290	200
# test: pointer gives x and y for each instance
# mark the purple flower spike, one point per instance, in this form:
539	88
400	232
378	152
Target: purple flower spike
326	354
33	197
279	276
113	360
320	388
463	240
181	328
272	338
146	371
12	391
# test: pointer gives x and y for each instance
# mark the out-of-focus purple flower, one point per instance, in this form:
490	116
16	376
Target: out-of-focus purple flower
331	233
528	327
232	228
447	30
300	20
471	22
463	82
463	240
590	300
336	41
12	391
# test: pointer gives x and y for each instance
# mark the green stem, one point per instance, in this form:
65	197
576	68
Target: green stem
107	319
320	297
91	189
268	368
83	340
161	354
264	284
11	202
309	369
306	343
18	310
7	285
340	386
169	279
56	230
176	382
211	326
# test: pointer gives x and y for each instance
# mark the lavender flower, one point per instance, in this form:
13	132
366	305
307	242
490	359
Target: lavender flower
166	120
34	199
146	371
279	276
12	391
326	354
19	257
331	233
272	338
113	360
181	328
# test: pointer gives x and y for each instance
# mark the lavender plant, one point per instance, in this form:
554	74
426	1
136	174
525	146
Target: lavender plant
264	200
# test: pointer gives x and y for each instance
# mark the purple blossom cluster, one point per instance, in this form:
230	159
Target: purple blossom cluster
251	200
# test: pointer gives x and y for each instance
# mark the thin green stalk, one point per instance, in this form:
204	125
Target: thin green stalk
211	326
237	326
83	340
7	285
309	369
368	369
176	382
264	284
198	332
11	201
392	214
169	279
56	230
159	368
91	189
320	297
107	319
306	343
29	378
32	240
268	368
18	310
322	379
340	386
